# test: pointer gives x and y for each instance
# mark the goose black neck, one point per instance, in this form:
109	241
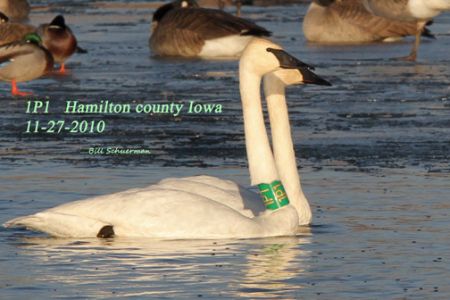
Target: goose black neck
163	10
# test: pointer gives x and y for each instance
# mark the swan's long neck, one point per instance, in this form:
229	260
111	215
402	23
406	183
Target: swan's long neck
261	162
283	147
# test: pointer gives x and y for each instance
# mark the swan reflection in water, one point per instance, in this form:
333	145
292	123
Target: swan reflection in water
255	268
269	270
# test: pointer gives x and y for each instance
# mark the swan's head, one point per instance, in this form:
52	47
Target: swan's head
257	58
262	57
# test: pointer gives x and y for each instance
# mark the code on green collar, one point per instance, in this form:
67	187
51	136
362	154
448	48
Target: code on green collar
274	195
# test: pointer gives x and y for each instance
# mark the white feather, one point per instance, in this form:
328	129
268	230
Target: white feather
230	46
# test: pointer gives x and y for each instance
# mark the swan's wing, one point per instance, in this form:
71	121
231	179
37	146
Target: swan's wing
223	184
222	191
148	212
252	200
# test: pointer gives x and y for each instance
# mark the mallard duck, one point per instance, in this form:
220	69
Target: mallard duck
334	21
15	9
58	38
23	61
181	28
11	32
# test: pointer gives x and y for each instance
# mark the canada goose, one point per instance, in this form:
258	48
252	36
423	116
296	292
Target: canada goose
15	9
207	207
221	4
23	61
11	32
348	21
181	28
58	38
419	11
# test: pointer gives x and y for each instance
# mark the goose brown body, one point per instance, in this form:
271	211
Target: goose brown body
15	9
419	11
350	22
185	30
395	10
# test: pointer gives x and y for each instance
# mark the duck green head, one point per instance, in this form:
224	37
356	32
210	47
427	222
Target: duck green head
33	38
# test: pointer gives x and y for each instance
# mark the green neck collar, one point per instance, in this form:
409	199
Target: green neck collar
273	194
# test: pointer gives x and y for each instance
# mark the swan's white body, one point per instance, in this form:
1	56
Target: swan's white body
165	210
230	46
204	207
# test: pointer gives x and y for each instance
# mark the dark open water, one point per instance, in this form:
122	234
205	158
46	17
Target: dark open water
374	153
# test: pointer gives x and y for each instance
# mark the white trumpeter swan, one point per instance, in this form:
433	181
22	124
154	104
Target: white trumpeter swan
181	28
419	11
207	207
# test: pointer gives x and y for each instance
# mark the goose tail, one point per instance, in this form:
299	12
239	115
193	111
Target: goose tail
80	50
427	33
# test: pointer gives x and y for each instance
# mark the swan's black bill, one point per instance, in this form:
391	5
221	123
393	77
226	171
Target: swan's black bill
287	61
311	78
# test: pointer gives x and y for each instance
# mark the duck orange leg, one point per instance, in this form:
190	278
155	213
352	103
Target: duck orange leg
15	90
62	69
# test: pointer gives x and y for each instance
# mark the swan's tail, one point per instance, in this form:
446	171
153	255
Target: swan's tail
26	221
59	224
